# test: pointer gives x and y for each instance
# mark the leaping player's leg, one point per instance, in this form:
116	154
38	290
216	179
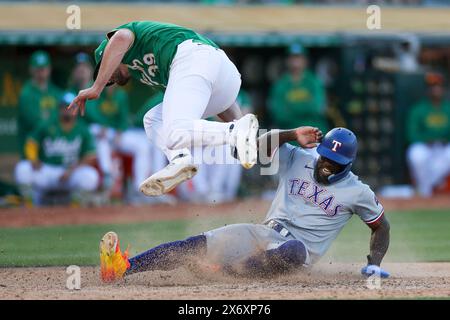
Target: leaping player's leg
205	85
179	168
182	129
203	82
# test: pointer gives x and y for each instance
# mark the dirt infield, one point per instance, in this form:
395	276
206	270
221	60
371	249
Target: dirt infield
23	217
324	281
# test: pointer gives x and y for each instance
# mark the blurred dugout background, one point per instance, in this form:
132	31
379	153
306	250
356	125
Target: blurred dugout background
371	79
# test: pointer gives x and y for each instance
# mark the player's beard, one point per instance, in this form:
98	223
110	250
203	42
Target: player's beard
324	168
319	177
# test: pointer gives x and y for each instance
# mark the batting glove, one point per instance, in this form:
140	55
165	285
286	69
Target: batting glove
373	269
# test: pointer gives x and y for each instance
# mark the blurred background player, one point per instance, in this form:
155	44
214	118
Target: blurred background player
407	53
109	118
428	131
81	75
38	99
59	156
298	97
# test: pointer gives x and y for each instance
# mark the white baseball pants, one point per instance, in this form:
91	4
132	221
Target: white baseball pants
429	165
203	82
83	178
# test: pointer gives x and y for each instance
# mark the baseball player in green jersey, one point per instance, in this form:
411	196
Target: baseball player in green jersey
108	119
58	156
298	97
81	75
198	80
428	131
38	98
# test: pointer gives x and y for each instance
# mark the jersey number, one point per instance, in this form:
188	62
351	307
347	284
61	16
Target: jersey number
148	65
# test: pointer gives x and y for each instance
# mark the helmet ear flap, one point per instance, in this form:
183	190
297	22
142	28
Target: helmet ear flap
336	177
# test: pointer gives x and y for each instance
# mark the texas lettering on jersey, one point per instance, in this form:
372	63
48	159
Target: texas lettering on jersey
314	194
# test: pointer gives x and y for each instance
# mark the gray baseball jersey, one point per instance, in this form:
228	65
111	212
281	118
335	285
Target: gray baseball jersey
314	213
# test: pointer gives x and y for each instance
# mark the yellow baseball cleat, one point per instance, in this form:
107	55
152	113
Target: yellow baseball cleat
113	263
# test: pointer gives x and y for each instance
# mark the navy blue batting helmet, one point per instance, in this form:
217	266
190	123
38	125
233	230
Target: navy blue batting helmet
339	145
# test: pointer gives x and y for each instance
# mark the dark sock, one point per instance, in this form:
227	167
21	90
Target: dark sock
168	256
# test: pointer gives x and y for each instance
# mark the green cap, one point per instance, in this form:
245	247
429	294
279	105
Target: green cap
98	54
40	59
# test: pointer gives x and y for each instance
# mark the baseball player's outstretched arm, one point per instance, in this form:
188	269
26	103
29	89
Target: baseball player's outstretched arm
115	50
379	241
307	137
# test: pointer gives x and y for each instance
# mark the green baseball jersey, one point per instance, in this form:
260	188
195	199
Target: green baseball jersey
154	46
35	106
109	110
296	103
59	147
427	123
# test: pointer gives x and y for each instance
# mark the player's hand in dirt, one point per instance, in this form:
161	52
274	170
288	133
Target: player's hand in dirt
79	103
374	269
308	137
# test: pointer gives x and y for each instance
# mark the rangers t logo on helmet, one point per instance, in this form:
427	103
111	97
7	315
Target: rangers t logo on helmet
335	145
